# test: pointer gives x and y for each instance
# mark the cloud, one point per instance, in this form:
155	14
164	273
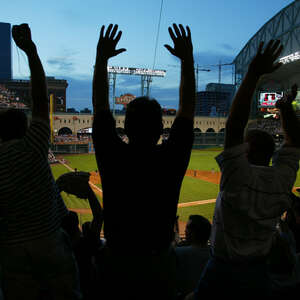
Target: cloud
210	57
79	91
207	58
166	91
61	64
226	46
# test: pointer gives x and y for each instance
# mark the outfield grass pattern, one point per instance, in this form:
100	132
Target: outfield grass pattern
193	189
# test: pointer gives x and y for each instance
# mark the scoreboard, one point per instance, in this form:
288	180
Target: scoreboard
268	99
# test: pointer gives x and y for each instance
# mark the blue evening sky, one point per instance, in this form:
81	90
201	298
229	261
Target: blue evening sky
66	33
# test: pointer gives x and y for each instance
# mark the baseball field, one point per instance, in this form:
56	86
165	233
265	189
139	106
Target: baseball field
198	193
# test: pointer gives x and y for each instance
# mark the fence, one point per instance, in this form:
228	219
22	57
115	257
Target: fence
70	148
208	139
201	140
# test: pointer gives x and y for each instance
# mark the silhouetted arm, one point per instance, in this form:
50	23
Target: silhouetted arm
77	183
22	37
183	49
289	120
106	49
97	213
263	63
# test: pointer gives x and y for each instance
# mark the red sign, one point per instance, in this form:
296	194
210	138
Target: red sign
125	99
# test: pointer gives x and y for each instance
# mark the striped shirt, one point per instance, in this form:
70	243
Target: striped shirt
250	202
30	204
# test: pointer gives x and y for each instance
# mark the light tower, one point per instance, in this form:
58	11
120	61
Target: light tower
146	78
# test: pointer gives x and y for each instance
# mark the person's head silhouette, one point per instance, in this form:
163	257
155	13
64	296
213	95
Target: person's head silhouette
143	121
261	147
13	124
197	230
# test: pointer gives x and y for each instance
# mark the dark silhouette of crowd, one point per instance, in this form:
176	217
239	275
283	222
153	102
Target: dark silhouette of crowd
251	248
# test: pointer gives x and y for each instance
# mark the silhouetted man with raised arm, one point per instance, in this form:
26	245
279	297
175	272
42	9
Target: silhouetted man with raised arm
141	180
35	254
253	195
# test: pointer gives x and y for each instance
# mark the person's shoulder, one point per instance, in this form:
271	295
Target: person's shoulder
38	124
38	120
10	148
288	149
286	153
232	152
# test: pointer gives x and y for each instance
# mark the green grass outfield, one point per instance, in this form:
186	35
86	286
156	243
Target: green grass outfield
193	189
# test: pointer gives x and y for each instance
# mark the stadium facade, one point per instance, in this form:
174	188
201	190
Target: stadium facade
16	92
284	26
215	100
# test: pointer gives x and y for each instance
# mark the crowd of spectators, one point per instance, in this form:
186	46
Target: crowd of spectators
272	126
251	248
51	157
9	99
71	139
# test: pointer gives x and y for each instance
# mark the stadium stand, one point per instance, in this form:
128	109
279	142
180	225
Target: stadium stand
252	247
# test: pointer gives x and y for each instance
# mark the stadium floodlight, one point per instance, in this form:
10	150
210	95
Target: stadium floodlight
136	71
146	77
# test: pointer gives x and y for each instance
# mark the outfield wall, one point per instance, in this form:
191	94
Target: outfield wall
71	148
208	139
201	140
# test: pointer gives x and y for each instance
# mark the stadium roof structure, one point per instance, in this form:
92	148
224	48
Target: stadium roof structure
285	26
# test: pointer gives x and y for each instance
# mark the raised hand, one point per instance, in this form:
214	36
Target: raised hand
75	183
183	47
107	42
287	99
22	37
264	62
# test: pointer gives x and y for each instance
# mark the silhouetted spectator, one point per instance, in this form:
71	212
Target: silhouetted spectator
140	208
192	258
283	263
293	220
35	254
253	195
85	243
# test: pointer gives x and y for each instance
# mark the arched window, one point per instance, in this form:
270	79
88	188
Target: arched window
210	130
64	130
